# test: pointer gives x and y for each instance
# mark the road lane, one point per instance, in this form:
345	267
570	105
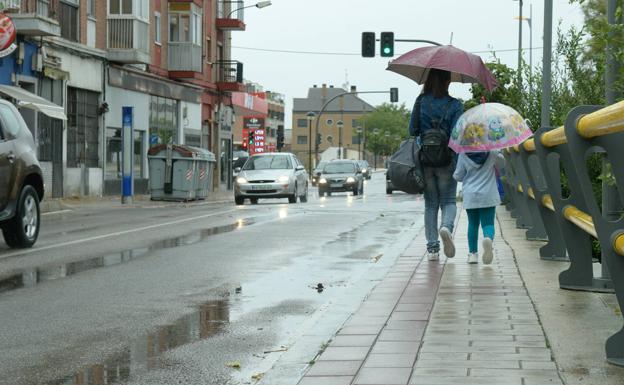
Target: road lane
176	312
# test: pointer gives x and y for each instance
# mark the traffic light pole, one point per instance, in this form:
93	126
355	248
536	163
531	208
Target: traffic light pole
415	41
318	117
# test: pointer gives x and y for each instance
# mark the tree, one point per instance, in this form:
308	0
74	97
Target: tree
391	122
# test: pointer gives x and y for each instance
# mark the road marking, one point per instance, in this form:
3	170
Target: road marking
103	236
57	212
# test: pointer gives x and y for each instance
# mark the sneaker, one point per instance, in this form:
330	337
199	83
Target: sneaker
488	252
473	258
447	240
433	255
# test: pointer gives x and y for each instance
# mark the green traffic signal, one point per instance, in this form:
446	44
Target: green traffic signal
387	44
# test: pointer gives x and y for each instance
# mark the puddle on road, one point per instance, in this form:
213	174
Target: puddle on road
143	354
33	276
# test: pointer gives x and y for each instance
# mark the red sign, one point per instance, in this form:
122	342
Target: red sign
255	127
7	35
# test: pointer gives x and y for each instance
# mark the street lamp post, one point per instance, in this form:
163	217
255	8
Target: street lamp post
359	130
519	42
260	4
340	125
376	147
529	21
310	116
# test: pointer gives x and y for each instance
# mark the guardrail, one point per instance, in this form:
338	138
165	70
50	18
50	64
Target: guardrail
570	222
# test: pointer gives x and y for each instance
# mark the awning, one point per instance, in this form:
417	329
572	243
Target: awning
29	100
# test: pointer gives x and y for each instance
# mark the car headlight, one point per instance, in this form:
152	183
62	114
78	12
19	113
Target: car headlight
283	179
350	179
322	181
241	180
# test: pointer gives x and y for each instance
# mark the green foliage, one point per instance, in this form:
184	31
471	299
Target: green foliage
385	128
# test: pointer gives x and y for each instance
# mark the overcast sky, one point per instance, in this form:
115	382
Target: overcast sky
335	26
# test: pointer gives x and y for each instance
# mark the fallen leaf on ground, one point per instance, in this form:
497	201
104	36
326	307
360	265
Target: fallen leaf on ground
257	376
377	257
233	364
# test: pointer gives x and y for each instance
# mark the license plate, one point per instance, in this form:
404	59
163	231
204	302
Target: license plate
336	185
255	188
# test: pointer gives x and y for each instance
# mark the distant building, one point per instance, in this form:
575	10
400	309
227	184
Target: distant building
349	109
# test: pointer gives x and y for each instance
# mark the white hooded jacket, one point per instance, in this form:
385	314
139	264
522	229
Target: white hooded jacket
479	180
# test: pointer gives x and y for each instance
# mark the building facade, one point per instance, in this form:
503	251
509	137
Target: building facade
167	59
348	109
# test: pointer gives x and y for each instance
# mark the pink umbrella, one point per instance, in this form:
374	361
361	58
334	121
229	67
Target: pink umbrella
465	67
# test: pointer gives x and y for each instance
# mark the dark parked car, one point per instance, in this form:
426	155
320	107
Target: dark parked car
389	185
316	173
238	160
341	176
367	170
21	180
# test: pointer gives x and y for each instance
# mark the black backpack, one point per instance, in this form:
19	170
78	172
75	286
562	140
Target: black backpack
434	150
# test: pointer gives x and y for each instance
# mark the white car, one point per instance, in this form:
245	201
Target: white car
271	175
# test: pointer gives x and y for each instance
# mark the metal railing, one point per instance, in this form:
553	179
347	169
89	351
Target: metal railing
42	8
184	56
231	9
128	33
9	5
574	219
230	71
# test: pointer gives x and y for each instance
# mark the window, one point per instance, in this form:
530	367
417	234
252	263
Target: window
91	8
208	48
82	128
157	28
163	120
120	7
185	23
302	123
355	122
68	19
356	139
302	139
9	122
114	154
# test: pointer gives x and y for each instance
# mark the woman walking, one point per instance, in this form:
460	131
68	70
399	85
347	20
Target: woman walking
433	117
476	171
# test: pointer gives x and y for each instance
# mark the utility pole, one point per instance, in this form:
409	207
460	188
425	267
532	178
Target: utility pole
520	45
547	64
611	205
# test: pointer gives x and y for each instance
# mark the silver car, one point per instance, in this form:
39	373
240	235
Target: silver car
271	175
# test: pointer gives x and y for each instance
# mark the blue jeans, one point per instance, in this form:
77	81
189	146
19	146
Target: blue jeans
440	193
484	216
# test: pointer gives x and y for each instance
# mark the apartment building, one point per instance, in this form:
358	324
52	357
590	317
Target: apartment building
348	109
167	59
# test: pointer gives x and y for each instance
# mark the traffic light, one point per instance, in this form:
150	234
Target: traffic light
368	44
245	139
318	139
394	95
250	139
280	137
386	46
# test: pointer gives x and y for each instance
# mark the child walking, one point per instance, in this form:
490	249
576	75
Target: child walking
476	171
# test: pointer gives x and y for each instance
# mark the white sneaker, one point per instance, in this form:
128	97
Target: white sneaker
488	252
473	258
447	241
433	255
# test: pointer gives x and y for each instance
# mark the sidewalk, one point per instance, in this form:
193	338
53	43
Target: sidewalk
447	322
49	205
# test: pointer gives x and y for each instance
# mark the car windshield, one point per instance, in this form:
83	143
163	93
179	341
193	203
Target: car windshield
320	165
339	168
268	162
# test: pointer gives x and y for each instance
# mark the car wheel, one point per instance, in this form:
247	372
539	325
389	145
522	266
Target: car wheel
23	229
254	201
356	190
389	191
292	199
304	197
239	201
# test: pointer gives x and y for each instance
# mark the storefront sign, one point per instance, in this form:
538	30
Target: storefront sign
7	36
255	126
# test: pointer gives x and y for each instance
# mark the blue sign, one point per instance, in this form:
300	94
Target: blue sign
127	154
153	139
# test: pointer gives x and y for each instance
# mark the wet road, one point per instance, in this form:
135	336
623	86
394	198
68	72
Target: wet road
173	294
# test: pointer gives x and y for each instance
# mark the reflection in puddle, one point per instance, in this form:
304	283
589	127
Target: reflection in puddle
143	354
33	276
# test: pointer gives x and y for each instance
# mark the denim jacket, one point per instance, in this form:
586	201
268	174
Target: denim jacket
446	107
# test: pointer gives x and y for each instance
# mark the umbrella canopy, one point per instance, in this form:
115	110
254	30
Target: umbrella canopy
464	67
488	126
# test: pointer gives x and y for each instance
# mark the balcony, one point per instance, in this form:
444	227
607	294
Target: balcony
185	59
230	15
34	17
230	76
128	40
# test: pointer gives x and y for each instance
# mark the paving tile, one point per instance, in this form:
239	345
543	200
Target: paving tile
540	365
435	380
541	356
490	364
366	321
395	347
332	380
401	325
399	360
413	307
441	372
517	373
344	354
383	376
334	368
360	330
443	356
353	340
410	316
401	335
